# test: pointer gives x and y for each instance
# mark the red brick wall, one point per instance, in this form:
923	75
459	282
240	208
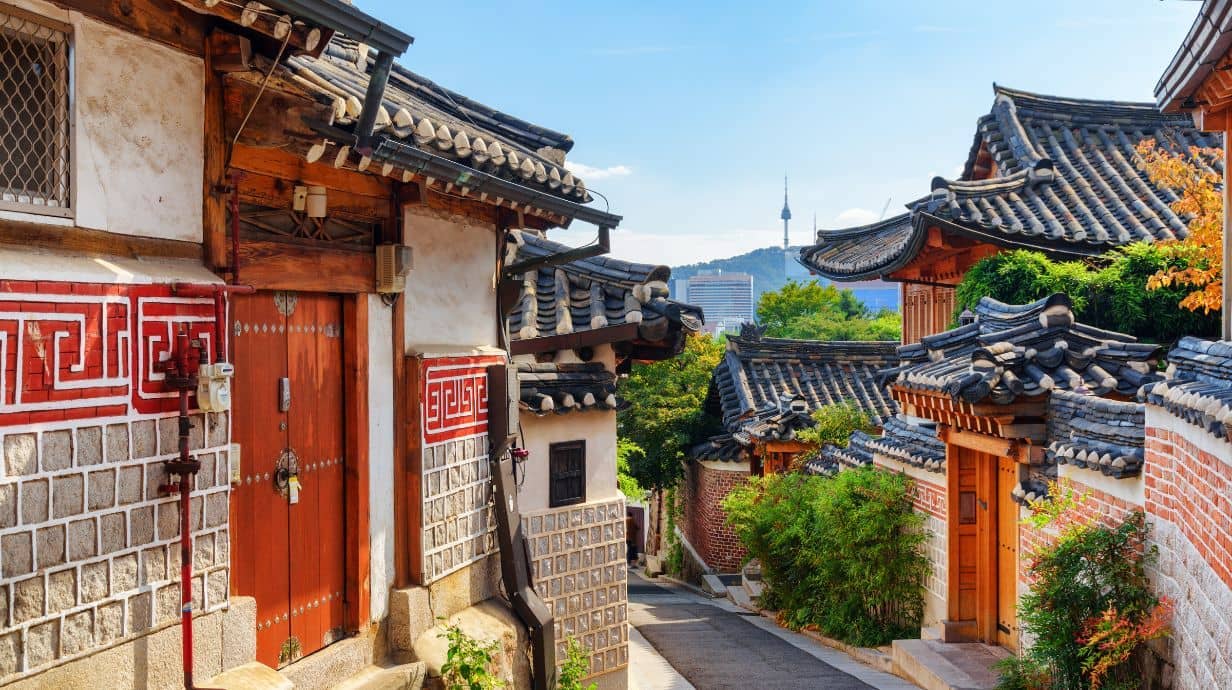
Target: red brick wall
1097	506
704	519
1191	488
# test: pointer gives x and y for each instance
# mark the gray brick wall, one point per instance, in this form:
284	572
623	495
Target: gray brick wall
89	548
459	524
578	564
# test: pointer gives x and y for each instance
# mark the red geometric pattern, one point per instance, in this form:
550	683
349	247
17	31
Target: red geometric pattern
80	350
455	397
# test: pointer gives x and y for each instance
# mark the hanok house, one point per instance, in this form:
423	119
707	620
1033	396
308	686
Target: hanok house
764	391
574	329
1025	396
1051	174
344	501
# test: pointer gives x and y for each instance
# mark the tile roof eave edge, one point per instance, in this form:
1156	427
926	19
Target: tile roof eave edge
910	250
1187	69
1069	250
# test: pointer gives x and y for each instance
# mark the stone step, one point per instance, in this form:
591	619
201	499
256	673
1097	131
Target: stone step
401	677
332	665
754	588
713	584
250	676
935	665
741	598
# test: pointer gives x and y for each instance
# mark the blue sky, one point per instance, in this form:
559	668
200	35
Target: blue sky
688	113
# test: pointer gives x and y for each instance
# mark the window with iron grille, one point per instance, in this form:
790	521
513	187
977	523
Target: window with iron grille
566	473
34	113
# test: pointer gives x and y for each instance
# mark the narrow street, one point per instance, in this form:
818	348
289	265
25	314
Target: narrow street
714	644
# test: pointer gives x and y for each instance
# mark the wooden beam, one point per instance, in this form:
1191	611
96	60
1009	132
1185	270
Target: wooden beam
267	22
165	21
214	180
227	52
93	242
279	266
282	165
355	392
572	341
277	120
984	443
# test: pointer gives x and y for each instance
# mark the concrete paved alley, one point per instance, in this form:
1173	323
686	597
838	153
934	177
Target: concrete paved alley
716	645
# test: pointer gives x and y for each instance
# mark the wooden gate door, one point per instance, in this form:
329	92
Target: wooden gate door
288	511
1007	554
973	538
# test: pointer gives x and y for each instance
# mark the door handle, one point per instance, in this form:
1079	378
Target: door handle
284	394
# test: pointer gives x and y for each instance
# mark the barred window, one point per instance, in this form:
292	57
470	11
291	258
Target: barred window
566	473
34	113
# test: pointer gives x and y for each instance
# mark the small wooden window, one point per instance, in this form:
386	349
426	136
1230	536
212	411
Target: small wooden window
566	473
34	113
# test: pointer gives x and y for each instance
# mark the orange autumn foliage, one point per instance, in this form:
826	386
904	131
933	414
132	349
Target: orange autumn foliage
1199	190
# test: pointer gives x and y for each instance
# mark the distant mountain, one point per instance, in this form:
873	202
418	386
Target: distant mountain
765	265
770	273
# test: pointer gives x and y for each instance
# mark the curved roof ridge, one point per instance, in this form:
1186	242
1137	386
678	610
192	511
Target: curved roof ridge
1044	99
604	267
840	233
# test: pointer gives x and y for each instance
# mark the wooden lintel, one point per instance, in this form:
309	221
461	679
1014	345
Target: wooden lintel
299	37
288	167
984	443
572	341
281	266
165	21
93	242
228	52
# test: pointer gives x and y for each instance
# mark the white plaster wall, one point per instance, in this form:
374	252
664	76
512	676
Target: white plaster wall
380	454
51	265
597	428
139	128
1131	489
450	294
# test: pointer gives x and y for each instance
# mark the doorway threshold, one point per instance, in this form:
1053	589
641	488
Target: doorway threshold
936	665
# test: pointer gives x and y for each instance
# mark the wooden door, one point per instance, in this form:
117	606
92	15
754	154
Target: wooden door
973	540
289	550
1007	554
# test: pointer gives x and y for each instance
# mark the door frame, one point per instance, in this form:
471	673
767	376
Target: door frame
357	564
988	565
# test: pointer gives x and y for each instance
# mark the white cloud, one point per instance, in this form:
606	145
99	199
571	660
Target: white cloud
589	173
855	216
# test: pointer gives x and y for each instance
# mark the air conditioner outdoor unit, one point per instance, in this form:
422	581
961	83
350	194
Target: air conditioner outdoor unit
393	263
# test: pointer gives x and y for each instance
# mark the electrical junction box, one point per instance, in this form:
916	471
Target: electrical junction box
233	459
214	386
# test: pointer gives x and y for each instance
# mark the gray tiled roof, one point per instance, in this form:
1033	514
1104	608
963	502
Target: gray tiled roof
831	458
419	113
1199	386
760	377
720	447
1065	182
1026	350
595	293
911	440
560	388
1099	434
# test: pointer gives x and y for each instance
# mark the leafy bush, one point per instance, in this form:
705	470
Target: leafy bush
467	662
1110	292
835	422
843	554
1089	607
575	668
626	452
812	311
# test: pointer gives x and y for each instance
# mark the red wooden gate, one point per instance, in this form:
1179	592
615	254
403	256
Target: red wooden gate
288	523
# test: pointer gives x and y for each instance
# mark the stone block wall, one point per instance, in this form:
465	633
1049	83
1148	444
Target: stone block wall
578	564
706	485
458	525
89	550
1188	487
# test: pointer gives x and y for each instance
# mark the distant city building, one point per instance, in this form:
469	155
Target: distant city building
726	299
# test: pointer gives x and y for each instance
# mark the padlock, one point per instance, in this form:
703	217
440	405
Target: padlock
293	489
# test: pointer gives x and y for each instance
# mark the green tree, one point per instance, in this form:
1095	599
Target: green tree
625	481
811	311
665	411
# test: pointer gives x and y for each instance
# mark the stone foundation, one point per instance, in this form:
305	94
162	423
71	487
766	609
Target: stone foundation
579	569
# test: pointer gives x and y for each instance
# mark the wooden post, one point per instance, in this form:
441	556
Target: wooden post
1227	232
214	210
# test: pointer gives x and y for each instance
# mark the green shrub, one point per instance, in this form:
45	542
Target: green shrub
1089	607
835	422
843	554
467	662
1107	292
575	667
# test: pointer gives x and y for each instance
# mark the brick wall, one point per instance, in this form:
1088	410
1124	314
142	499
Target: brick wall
705	488
89	550
928	498
579	569
1188	487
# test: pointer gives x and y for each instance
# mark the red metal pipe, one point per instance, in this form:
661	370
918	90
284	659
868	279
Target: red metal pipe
218	292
